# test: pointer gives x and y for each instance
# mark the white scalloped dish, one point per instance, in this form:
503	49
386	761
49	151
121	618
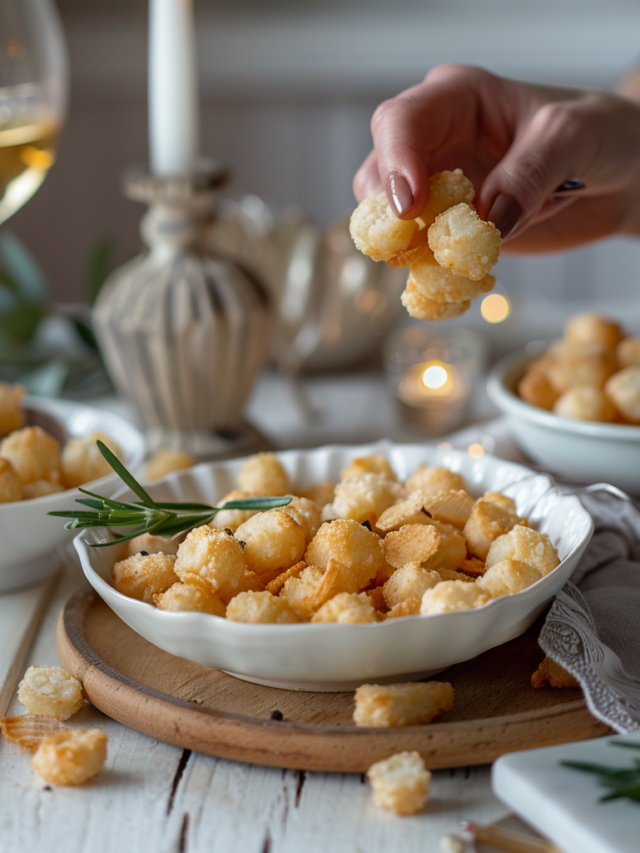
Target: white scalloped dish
317	656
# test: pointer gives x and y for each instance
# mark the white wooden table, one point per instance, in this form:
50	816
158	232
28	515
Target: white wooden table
155	797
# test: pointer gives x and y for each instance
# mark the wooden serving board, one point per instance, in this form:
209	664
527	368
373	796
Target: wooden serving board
495	709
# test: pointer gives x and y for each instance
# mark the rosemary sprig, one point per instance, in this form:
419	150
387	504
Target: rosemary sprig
147	516
623	782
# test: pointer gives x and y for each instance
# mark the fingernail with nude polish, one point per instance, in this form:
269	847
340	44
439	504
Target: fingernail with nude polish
505	214
400	192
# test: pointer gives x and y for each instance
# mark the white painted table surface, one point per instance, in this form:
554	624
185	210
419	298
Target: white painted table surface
152	796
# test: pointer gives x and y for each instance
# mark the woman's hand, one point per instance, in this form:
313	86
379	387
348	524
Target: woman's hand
518	143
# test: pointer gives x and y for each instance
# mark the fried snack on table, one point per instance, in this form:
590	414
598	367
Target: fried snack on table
451	507
321	494
143	576
165	462
347	608
443	285
453	595
337	578
41	488
408	607
361	498
473	566
423	308
71	757
81	460
446	190
150	544
375	463
301	590
51	691
491	517
276	585
409	511
628	352
34	454
431	480
527	546
191	595
508	577
589	328
263	474
535	388
464	243
11	414
260	607
10	486
273	541
214	556
623	390
409	704
412	543
231	519
585	403
307	513
551	673
582	364
29	730
377	231
400	783
249	582
350	544
411	581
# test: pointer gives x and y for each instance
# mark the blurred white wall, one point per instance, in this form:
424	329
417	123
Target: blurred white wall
287	91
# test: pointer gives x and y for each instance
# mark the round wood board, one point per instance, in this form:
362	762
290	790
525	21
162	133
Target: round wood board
495	710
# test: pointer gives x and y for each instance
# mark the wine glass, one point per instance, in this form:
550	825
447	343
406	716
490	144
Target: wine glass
33	92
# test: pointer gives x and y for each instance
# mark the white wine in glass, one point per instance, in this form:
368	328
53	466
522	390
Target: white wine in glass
33	86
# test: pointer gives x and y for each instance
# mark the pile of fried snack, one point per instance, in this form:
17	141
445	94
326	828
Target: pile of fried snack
32	462
592	373
448	249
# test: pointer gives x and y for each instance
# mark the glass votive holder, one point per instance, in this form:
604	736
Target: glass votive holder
431	372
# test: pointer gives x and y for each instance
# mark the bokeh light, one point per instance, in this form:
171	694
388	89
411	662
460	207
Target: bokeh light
475	451
495	308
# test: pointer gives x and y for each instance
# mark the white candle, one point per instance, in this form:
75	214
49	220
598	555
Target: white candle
173	98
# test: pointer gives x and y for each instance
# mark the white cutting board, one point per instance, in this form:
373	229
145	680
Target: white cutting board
562	804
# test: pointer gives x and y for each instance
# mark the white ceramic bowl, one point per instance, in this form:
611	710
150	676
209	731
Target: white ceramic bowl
582	451
29	537
339	657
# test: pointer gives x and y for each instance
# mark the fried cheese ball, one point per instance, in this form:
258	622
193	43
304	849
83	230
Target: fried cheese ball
409	511
29	730
400	783
364	496
431	545
192	595
10	486
321	494
307	513
582	364
446	190
526	546
350	544
231	519
628	352
51	691
443	285
377	231
260	607
464	243
411	704
423	308
272	540
534	388
508	577
143	576
41	488
347	608
491	517
71	757
624	390
301	591
551	673
431	480
151	545
592	328
263	474
11	414
585	403
81	461
410	581
165	462
34	454
453	595
212	555
375	463
249	582
417	249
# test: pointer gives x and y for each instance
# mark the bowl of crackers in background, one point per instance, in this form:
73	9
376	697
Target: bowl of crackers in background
48	449
383	562
574	404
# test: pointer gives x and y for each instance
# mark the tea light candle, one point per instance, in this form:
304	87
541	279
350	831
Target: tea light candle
173	100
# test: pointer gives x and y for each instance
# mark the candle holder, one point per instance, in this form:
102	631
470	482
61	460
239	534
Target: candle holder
431	372
184	331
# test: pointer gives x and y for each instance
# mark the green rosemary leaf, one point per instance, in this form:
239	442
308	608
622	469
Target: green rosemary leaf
186	507
630	791
125	475
256	503
91	502
109	502
178	525
624	744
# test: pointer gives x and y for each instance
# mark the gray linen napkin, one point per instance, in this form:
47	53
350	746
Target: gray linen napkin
593	626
